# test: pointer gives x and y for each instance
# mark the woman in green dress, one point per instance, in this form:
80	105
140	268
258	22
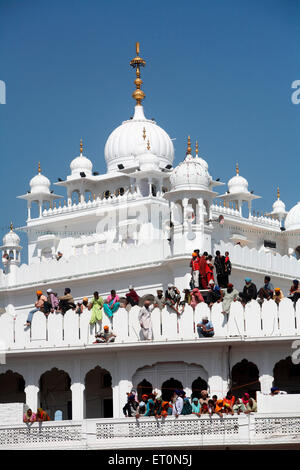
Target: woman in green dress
96	305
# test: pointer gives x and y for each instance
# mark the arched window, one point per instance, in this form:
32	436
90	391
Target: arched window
12	388
144	387
98	394
55	393
245	378
287	376
197	386
168	387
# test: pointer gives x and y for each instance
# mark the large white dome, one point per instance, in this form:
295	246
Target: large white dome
123	144
292	221
191	174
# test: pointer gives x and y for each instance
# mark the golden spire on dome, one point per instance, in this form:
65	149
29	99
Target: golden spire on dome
196	148
144	133
81	146
11	226
278	193
148	144
136	63
189	148
39	167
237	169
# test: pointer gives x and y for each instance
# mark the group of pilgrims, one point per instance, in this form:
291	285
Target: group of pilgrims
203	288
179	404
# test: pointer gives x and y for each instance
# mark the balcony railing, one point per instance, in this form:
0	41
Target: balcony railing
183	432
71	329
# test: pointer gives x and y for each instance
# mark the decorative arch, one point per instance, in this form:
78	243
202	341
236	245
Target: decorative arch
12	387
287	375
160	372
55	393
98	393
245	378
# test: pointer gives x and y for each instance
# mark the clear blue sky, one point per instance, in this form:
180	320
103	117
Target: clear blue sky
218	70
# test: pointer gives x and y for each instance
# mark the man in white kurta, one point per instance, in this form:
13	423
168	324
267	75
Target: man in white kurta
145	320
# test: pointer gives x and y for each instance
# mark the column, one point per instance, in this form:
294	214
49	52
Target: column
78	401
266	382
120	389
185	222
32	397
28	211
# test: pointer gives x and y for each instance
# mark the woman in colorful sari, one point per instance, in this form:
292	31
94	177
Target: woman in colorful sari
42	415
111	304
29	417
96	305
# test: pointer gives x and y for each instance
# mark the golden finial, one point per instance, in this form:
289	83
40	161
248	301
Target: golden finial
39	167
81	146
59	204
11	226
189	148
278	193
136	63
144	133
148	144
94	197
237	169
196	148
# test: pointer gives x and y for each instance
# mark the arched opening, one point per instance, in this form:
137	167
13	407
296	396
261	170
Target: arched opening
46	254
98	394
245	378
153	190
144	387
88	196
55	393
106	194
75	197
287	376
168	387
197	386
12	388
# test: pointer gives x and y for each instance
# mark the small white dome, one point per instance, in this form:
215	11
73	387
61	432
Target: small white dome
292	221
191	174
39	184
11	239
81	164
237	184
148	161
123	144
278	207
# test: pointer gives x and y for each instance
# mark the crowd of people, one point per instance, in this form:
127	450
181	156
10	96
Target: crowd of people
203	288
179	404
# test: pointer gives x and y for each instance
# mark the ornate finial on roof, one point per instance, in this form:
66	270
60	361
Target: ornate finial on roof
144	133
148	144
278	193
136	63
39	168
189	148
196	148
11	226
237	169
81	146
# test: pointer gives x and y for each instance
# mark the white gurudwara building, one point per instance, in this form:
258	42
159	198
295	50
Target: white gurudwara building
138	224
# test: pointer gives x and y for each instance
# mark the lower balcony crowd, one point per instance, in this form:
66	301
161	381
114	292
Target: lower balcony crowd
203	288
